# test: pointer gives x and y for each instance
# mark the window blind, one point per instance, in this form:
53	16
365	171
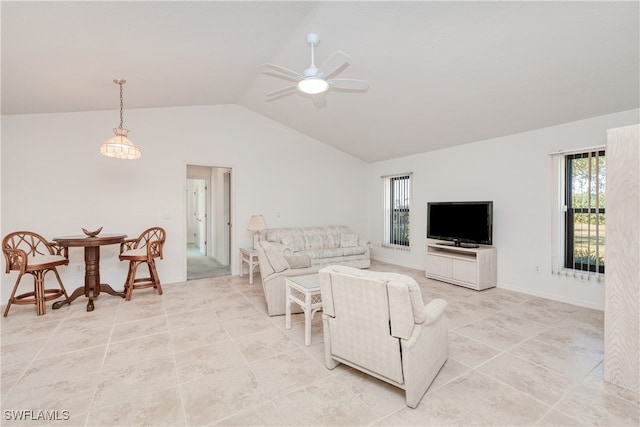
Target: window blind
579	216
397	201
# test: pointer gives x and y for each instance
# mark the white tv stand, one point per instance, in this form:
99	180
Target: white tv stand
474	268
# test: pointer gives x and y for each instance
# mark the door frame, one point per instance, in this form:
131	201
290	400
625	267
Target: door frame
229	239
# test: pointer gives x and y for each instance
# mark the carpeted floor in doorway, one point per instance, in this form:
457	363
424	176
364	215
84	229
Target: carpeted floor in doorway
200	266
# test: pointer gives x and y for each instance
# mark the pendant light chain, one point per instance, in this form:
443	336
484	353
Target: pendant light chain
121	104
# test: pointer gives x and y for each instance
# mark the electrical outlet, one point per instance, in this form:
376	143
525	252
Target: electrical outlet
78	267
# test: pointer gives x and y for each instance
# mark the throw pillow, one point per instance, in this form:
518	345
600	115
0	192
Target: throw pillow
275	257
298	261
288	242
348	240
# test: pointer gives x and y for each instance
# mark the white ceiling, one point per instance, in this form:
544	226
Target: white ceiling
441	73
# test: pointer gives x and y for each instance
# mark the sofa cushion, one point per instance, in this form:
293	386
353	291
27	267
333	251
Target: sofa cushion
275	257
348	240
323	237
317	241
332	253
354	250
294	242
298	261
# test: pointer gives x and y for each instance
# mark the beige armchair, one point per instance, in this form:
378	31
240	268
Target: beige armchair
377	323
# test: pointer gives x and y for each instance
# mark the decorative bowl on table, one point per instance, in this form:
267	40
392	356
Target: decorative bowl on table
93	233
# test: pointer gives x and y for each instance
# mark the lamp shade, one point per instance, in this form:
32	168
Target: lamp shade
313	85
120	146
257	223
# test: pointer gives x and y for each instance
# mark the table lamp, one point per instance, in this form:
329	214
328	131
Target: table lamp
256	224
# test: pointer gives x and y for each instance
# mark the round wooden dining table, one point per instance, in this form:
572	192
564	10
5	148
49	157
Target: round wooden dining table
92	286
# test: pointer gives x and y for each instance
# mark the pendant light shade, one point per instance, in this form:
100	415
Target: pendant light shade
120	146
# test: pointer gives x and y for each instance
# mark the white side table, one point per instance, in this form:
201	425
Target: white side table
250	257
304	291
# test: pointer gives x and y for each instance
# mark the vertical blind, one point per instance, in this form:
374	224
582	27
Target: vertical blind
585	211
579	217
396	200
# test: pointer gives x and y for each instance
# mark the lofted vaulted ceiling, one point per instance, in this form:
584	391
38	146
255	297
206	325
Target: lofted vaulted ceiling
440	73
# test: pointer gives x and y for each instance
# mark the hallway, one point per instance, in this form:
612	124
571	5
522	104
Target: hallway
200	266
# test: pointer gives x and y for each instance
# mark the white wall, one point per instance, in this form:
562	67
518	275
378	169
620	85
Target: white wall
513	171
55	181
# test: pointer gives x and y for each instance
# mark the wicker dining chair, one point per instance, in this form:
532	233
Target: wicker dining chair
30	253
143	250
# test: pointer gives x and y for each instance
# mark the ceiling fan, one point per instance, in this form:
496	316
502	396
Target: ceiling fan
315	81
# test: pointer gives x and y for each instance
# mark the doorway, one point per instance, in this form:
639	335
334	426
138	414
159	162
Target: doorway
208	221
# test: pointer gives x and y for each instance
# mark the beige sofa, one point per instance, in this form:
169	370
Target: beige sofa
288	252
377	323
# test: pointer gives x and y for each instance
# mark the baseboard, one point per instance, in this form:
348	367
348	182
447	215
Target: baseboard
572	301
395	262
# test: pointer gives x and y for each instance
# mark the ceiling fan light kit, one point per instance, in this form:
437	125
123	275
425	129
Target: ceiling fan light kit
313	85
315	81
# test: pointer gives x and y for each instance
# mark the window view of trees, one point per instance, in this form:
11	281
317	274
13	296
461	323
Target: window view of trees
585	220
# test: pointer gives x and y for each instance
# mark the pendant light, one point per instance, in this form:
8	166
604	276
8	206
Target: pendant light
120	146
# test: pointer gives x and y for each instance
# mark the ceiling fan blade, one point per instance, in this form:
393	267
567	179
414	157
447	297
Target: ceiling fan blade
334	64
281	76
283	91
349	84
285	72
320	100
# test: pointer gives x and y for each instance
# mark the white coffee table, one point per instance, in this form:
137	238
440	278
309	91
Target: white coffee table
304	291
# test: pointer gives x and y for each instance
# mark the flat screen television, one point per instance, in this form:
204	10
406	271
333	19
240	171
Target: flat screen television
466	224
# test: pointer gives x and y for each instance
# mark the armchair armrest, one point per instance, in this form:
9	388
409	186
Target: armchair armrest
58	249
432	318
154	248
16	259
432	312
128	244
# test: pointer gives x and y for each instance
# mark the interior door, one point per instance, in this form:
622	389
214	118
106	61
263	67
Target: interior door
201	215
192	227
208	221
227	213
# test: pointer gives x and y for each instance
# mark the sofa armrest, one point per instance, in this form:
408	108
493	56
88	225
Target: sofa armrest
365	243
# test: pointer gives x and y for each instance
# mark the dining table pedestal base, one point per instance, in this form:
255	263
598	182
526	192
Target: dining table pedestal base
92	287
103	287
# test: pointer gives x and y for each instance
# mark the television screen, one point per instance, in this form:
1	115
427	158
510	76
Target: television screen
460	222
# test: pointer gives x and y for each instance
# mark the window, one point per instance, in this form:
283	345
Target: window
397	197
584	206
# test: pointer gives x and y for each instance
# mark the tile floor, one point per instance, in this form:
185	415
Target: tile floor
205	353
